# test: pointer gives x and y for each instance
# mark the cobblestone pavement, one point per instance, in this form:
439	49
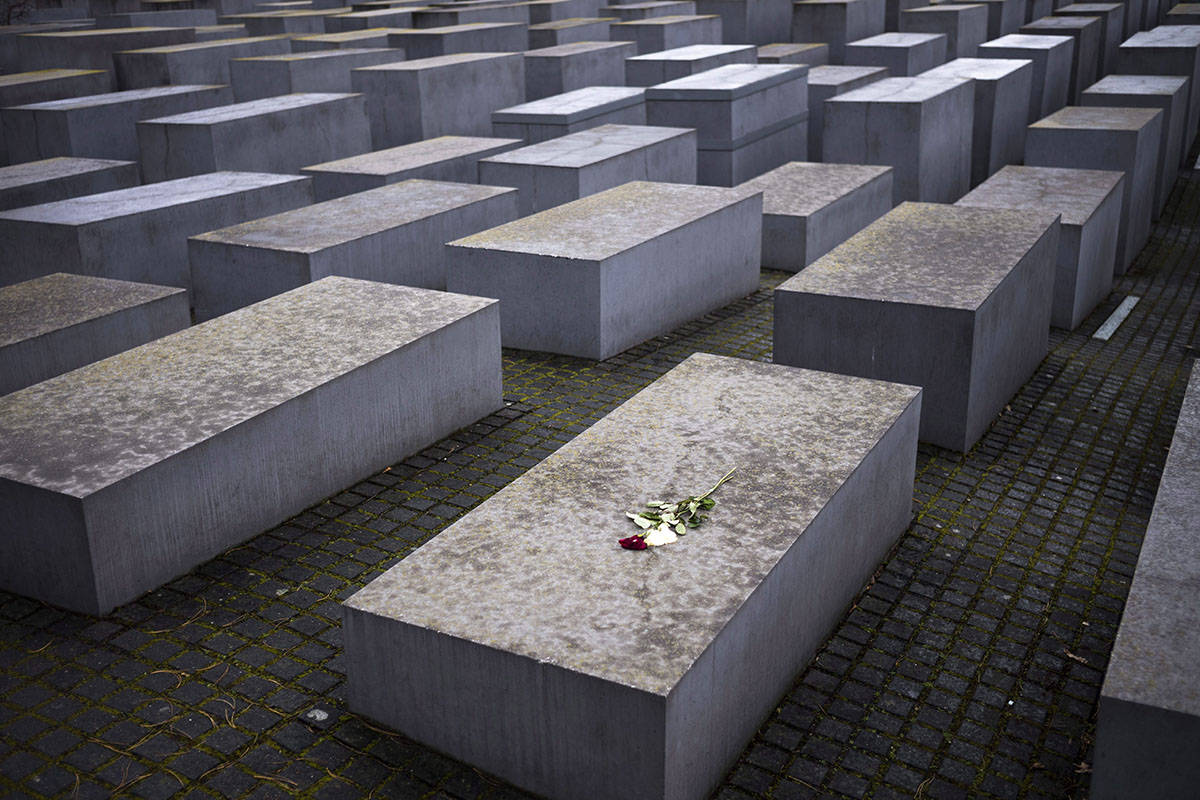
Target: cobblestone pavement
969	667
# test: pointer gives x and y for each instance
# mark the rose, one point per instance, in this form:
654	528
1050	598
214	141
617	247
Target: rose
633	543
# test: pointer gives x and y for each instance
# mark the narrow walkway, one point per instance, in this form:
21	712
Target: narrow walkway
970	667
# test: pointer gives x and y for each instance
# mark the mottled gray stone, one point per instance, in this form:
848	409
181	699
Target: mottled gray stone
1133	17
921	126
814	54
1089	203
953	299
98	126
810	208
965	25
571	112
829	81
652	69
274	134
59	322
214	411
291	22
750	21
1085	64
621	683
554	70
904	54
568	31
91	48
474	37
413	100
167	18
1004	16
197	62
138	234
212	33
393	234
1052	57
1112	22
35	182
1148	727
1168	50
443	158
316	71
372	37
547	10
653	8
655	34
893	10
1106	138
398	17
447	15
1002	89
1183	14
10	59
1166	92
573	279
560	170
836	22
41	85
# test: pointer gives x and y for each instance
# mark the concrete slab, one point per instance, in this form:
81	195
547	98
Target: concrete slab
396	17
371	37
554	70
507	693
829	81
1052	57
41	85
427	97
1089	204
213	33
568	31
1004	16
836	22
274	134
547	10
60	322
814	54
573	279
197	63
652	69
654	8
35	182
965	25
921	126
293	22
91	48
750	21
1112	26
443	158
1168	50
213	411
475	37
893	9
904	54
450	14
655	34
170	18
1085	65
560	170
10	59
316	71
138	234
953	299
1183	14
571	112
1106	138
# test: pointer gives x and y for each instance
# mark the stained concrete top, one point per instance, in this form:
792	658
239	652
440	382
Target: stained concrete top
673	19
250	108
52	302
1073	193
53	168
926	254
1029	41
1110	118
311	229
1186	36
784	49
1071	26
571	22
417	154
1085	8
952	8
574	48
605	224
317	55
449	30
836	75
900	90
548	541
139	199
693	52
290	13
436	62
897	39
39	75
1168	85
87	429
88	33
980	69
801	188
346	36
573	106
214	44
589	147
728	82
116	98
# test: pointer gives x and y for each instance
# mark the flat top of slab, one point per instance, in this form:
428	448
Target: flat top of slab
589	147
572	22
1098	118
138	199
1084	8
417	154
943	8
90	32
114	98
801	188
838	75
897	39
1073	193
926	254
980	69
317	55
605	224
1138	84
641	619
38	75
52	302
576	47
693	52
1072	25
215	44
50	168
673	19
434	62
572	106
900	90
449	29
789	48
1028	41
89	428
251	108
347	36
311	229
728	82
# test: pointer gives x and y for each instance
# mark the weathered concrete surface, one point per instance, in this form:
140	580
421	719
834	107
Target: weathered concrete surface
196	63
167	18
1112	26
1106	138
371	37
443	158
655	34
393	234
836	22
59	322
291	22
316	71
449	14
138	234
652	69
653	8
560	170
1004	16
750	21
571	112
10	59
829	81
398	17
1089	203
35	182
640	647
554	70
573	279
965	25
1052	58
213	412
474	37
811	208
1085	65
1169	50
904	54
23	88
91	48
955	300
422	98
212	33
1183	14
275	134
814	54
568	31
547	10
